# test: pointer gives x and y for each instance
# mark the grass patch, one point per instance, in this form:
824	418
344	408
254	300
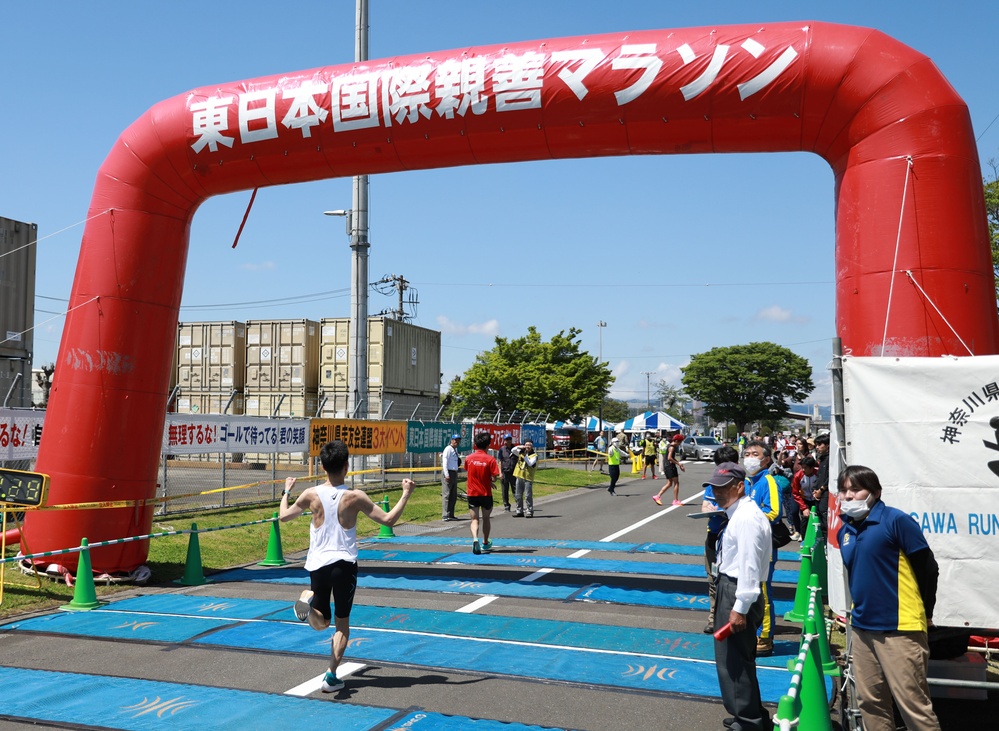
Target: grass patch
222	549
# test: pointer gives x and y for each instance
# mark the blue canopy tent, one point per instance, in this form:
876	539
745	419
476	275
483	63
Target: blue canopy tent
651	421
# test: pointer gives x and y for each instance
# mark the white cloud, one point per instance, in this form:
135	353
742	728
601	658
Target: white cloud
489	328
776	313
258	267
669	372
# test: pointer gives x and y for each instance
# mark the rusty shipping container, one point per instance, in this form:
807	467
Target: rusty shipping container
282	356
17	310
402	358
211	357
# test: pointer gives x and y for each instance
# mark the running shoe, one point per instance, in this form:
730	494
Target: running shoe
487	546
331	683
475	548
303	607
677	502
656	499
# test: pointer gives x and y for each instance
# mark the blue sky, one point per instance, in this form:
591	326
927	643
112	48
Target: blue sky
677	254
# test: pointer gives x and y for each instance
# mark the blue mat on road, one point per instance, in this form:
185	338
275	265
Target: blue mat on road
144	705
479	587
120	626
609	546
649	671
497	558
163	620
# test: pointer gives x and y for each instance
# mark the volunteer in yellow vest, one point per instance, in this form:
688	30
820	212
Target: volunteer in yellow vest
614	463
523	472
648	446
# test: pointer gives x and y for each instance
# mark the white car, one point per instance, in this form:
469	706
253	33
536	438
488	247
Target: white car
699	447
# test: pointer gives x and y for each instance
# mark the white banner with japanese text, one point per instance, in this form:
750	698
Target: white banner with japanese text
929	427
208	433
20	433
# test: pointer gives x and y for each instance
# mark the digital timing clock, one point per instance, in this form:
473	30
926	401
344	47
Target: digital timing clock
26	489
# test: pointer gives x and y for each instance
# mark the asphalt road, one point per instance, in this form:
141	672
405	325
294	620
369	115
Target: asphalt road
587	514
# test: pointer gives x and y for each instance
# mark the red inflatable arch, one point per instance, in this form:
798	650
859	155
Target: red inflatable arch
897	135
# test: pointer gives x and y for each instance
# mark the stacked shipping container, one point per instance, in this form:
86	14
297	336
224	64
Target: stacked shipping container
282	368
403	369
210	367
291	367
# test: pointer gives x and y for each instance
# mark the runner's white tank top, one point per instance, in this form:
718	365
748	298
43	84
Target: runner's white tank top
331	542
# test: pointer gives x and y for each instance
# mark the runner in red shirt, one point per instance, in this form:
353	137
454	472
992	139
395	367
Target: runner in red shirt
482	471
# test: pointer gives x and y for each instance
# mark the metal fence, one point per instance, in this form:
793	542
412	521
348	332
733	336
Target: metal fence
216	480
213	461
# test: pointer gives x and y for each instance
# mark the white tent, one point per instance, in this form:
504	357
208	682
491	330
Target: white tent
651	421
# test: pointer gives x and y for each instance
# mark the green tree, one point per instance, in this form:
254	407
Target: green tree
747	383
672	397
615	410
992	214
530	374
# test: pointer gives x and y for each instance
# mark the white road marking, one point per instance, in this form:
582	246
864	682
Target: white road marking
639	524
477	604
310	686
537	574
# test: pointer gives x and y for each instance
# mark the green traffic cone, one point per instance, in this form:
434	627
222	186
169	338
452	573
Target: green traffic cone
812	529
84	592
829	666
788	708
275	556
819	566
814	701
801	594
193	574
386	530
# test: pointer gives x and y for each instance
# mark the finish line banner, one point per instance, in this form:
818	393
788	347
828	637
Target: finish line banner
929	427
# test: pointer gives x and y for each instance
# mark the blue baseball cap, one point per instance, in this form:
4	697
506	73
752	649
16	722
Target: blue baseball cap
456	436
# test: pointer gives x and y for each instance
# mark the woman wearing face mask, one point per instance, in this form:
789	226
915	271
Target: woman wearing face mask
893	581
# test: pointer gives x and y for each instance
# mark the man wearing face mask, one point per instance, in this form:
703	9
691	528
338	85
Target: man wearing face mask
765	492
893	582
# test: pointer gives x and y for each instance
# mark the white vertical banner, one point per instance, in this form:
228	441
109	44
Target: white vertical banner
929	427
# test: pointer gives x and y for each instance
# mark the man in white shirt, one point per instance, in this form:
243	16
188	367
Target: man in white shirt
743	559
332	558
450	461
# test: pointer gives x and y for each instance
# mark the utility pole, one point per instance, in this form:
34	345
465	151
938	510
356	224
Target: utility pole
648	394
391	282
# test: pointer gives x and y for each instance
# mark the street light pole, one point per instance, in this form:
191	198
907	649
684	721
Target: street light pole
357	382
600	360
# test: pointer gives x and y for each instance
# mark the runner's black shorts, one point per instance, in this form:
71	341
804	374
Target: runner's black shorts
340	580
480	501
650	459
